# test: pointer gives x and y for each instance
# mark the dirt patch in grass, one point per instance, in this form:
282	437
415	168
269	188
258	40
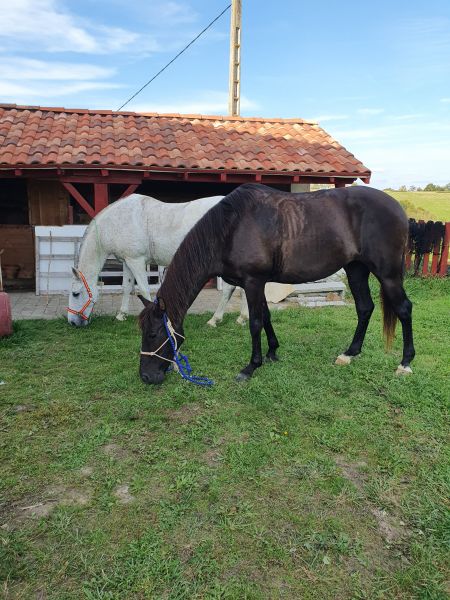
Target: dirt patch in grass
390	526
24	408
185	414
115	451
122	493
352	471
49	500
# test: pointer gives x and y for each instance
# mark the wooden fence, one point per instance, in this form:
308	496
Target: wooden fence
428	248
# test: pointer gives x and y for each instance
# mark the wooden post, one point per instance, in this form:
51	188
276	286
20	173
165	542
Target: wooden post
435	259
234	89
130	190
444	254
426	258
100	196
79	198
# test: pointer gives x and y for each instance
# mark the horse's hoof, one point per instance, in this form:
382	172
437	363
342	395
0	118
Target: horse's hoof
241	321
212	323
343	359
242	377
401	370
272	358
121	316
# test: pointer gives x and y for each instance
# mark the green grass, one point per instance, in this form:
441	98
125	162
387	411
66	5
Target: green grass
430	206
309	481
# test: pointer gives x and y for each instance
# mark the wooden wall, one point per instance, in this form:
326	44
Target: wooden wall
48	203
18	258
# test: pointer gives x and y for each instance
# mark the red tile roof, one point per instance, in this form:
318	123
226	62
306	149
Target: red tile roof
33	136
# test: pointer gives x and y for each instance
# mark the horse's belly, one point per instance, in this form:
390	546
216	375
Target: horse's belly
302	263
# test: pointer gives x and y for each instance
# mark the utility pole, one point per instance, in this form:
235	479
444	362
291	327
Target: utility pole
234	88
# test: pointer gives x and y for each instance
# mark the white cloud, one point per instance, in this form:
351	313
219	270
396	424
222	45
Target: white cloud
14	68
209	103
172	13
407	117
445	100
370	111
44	25
404	151
23	94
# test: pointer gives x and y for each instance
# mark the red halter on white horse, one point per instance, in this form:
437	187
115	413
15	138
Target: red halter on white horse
88	302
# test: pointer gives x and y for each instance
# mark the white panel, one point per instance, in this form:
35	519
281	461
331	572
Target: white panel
55	257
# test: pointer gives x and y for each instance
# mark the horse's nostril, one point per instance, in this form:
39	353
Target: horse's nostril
145	378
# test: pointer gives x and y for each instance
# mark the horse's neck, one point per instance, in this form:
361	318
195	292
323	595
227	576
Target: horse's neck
92	257
185	278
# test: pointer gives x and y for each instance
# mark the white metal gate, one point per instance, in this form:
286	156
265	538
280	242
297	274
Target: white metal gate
57	250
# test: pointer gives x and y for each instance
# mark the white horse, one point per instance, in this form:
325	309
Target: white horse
138	230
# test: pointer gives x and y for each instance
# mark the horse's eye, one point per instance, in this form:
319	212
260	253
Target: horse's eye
75	294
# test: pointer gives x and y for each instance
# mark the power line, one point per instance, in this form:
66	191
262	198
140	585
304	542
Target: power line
174	58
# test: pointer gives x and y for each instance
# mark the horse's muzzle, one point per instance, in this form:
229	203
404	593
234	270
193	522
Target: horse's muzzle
154	379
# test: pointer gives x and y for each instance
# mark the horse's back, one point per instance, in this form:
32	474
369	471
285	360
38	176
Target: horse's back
306	236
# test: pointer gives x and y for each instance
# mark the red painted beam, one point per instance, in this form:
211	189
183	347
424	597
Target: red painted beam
435	259
426	259
130	190
101	196
79	198
443	265
73	175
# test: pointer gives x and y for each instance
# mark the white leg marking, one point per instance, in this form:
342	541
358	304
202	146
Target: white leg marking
401	370
343	359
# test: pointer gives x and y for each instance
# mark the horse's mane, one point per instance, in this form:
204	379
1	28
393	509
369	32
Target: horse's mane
199	250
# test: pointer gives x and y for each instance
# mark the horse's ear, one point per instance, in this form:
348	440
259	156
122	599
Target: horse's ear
161	304
144	301
76	273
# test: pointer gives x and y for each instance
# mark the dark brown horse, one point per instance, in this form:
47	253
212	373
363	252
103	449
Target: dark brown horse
257	234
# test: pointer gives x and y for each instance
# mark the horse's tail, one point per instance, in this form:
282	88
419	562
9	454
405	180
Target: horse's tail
389	319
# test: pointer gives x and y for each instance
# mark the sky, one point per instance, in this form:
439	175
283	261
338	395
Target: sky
375	75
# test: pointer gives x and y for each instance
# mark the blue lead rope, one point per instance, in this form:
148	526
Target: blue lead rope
182	361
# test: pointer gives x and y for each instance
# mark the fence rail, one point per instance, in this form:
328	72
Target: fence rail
428	248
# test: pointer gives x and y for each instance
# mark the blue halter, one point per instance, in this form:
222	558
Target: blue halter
182	361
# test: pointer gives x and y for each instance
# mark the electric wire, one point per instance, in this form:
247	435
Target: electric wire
174	58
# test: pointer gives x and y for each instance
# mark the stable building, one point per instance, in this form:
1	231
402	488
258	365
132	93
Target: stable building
62	166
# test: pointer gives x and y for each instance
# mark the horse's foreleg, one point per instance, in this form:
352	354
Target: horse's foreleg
138	267
243	317
254	290
127	289
358	280
271	337
227	292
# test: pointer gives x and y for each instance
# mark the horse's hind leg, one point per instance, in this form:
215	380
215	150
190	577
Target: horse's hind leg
127	289
227	292
396	300
358	280
254	290
270	333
